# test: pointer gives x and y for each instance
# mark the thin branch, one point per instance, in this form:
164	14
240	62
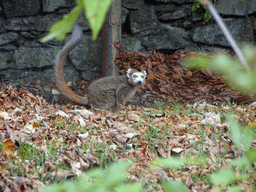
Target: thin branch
226	32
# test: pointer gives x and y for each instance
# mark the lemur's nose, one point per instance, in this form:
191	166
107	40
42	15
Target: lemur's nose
139	82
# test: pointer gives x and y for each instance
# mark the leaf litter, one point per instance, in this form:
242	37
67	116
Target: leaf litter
42	143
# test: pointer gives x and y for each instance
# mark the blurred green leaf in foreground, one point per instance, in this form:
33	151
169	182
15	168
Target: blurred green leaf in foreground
236	74
95	13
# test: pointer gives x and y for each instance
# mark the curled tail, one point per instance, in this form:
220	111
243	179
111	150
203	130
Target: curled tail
59	64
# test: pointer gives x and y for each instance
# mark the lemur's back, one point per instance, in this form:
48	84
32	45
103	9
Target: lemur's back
103	92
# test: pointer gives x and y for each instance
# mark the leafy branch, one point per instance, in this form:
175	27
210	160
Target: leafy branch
95	11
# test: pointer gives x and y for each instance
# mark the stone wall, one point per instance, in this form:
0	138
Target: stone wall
165	25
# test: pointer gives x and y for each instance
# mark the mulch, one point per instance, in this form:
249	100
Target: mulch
170	81
167	81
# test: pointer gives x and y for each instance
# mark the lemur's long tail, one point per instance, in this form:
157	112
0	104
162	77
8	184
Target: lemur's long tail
59	64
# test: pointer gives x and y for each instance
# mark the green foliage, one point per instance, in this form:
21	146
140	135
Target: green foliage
95	12
173	186
237	76
169	163
251	156
38	86
225	176
47	89
207	15
243	139
60	29
243	79
113	178
196	5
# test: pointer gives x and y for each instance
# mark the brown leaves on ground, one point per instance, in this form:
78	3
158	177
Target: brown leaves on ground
8	147
44	143
11	96
169	81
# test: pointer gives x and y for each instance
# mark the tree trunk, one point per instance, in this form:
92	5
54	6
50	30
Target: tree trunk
111	34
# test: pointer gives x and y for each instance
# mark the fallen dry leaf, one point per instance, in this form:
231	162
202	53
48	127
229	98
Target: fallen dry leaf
8	147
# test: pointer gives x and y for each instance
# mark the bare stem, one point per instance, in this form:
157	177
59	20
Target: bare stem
226	32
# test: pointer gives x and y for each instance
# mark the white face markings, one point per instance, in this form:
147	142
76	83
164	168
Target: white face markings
136	77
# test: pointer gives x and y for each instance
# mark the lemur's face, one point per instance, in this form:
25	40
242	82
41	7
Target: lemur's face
135	77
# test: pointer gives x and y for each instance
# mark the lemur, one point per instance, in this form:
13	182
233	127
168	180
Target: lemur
105	93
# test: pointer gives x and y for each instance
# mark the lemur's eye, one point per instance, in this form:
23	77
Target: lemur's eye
134	76
142	76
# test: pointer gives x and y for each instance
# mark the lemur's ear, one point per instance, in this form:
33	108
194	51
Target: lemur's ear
145	73
128	73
